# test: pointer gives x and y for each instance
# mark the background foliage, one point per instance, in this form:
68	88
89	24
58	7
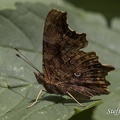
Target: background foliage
21	25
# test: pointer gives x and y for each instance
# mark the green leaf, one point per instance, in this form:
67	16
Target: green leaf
116	24
23	28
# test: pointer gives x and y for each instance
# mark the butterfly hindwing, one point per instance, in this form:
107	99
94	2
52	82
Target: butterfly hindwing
65	66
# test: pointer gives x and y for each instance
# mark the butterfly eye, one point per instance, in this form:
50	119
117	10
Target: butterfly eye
77	74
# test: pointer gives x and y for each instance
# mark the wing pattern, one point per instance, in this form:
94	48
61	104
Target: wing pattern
66	67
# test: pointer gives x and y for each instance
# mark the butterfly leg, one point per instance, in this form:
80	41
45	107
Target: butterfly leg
36	98
75	100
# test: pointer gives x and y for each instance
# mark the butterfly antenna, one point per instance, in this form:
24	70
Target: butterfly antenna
25	59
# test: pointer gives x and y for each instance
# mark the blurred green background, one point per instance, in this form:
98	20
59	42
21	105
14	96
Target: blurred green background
108	8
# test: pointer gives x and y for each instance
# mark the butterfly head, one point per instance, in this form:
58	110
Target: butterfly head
39	77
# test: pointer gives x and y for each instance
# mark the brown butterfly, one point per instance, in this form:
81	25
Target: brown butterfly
67	70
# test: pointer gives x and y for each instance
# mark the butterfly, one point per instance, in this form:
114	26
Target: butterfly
67	70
